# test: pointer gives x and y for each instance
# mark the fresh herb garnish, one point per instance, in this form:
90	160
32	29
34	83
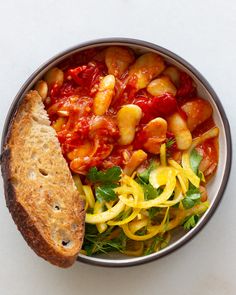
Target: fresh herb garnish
190	222
193	196
167	220
152	248
149	191
106	182
95	242
106	192
145	174
201	176
153	211
195	160
141	232
124	214
110	175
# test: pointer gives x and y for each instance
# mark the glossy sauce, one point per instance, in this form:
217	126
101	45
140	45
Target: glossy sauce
80	131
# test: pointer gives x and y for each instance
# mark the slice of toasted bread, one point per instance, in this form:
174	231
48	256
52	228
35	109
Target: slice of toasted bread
39	189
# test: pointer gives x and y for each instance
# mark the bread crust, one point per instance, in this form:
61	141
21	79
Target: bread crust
21	217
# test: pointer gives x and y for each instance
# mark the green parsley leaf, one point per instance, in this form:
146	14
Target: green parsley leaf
95	242
193	196
110	175
106	192
149	191
145	174
188	203
152	247
190	222
195	160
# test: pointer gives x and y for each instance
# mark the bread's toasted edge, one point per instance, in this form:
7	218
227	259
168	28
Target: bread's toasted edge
21	218
25	224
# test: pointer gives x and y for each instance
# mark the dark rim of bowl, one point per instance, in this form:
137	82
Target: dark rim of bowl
127	41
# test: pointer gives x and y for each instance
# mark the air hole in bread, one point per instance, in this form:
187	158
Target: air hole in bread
66	243
56	207
43	172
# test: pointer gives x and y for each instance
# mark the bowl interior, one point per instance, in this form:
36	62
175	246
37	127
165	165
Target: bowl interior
215	186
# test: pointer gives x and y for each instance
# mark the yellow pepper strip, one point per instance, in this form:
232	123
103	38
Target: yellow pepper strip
186	170
137	193
165	217
137	252
163	154
193	178
78	183
126	220
183	180
110	204
164	196
198	209
186	155
167	237
214	132
79	187
124	189
106	215
203	179
132	236
136	225
173	202
159	176
89	195
136	160
98	208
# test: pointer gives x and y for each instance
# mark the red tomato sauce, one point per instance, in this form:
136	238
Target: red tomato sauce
92	140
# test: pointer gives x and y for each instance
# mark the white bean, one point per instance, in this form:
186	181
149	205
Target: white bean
146	67
128	118
173	74
118	59
178	126
54	76
42	88
161	86
155	132
104	95
198	111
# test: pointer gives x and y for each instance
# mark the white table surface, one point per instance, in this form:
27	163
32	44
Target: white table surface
204	33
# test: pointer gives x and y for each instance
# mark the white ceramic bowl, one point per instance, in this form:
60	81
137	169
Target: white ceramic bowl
216	186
